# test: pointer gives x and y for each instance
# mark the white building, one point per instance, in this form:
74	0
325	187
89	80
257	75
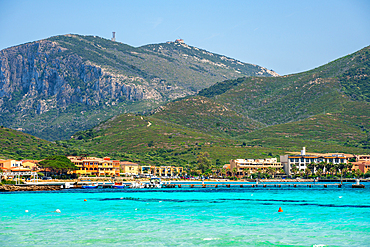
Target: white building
302	160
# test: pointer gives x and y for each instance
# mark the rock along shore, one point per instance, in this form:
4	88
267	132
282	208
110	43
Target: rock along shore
12	187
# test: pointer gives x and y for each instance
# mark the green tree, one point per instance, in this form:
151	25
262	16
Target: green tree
307	172
319	172
294	170
234	171
358	173
271	171
312	167
58	164
203	162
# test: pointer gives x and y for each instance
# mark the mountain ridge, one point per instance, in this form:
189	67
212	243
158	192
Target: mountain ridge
76	75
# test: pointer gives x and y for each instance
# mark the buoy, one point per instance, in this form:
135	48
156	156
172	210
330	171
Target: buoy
85	200
280	210
57	211
26	211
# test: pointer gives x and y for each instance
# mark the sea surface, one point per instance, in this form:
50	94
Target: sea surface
187	217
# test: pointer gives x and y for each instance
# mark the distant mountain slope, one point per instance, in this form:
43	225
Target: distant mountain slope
73	74
347	128
281	110
206	115
295	97
153	141
149	140
18	145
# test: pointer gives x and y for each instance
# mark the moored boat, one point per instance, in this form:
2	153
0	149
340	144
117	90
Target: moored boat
90	186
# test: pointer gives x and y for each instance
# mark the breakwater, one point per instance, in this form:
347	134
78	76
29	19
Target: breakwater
12	187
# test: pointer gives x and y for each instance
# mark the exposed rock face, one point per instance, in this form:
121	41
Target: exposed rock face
55	87
42	78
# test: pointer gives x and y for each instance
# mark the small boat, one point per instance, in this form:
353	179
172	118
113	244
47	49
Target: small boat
155	182
137	185
119	186
90	186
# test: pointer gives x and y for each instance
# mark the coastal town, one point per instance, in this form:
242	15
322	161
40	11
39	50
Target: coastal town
293	165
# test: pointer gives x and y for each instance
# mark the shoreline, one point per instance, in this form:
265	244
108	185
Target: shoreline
13	188
49	186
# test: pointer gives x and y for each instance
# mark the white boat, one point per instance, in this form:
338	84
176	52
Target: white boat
137	185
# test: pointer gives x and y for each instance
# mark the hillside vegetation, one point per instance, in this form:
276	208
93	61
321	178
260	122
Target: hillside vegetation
92	79
17	145
326	109
295	97
312	108
150	140
208	116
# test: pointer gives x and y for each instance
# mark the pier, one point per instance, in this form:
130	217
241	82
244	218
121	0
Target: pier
255	185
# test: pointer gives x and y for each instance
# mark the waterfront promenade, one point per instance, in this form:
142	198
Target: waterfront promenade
216	183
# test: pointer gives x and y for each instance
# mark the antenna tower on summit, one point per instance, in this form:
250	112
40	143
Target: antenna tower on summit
114	36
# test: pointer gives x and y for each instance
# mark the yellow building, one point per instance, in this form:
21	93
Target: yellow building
129	168
248	166
31	164
88	166
161	171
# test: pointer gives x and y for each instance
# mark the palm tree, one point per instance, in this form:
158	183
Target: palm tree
341	166
308	172
234	171
321	166
312	167
247	172
270	171
328	168
294	170
319	172
344	170
336	169
349	166
358	173
301	172
281	171
274	171
259	172
332	170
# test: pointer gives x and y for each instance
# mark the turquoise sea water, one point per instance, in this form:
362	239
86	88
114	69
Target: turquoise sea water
187	217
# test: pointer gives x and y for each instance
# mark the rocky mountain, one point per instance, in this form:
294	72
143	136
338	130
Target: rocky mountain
54	87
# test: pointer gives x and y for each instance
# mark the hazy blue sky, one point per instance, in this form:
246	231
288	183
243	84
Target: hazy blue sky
286	36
